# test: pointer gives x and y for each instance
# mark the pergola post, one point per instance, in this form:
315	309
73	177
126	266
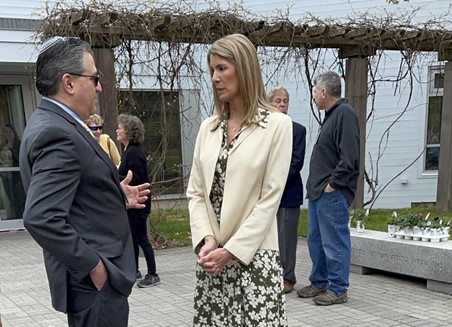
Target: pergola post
107	99
444	187
356	91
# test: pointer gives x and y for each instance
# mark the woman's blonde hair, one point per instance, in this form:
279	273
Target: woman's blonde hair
94	119
239	50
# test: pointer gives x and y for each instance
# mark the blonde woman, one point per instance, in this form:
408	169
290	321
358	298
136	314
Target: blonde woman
240	166
95	124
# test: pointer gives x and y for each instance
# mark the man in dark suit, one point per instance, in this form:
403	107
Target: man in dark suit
289	209
76	206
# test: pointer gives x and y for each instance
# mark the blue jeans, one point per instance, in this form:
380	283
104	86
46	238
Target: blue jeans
329	242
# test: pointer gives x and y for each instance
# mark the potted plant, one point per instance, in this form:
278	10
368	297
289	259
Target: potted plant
446	228
393	224
406	222
359	218
417	223
435	229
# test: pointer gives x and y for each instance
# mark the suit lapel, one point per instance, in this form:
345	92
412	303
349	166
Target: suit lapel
52	107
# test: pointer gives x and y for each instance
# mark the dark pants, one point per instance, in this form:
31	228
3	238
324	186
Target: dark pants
89	307
287	219
139	229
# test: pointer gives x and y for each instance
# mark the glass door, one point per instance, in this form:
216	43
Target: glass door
15	94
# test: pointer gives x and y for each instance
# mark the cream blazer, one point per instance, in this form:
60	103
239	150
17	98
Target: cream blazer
256	173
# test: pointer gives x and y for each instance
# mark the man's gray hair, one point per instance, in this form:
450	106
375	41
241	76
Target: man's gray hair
57	57
331	81
275	90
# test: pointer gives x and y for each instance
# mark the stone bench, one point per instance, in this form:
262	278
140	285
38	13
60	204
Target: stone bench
426	260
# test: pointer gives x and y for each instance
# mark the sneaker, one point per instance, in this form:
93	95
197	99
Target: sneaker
329	299
288	287
310	291
149	280
139	275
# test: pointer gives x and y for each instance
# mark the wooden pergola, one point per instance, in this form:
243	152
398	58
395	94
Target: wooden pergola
104	30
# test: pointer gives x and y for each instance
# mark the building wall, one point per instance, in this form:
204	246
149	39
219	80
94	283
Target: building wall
406	138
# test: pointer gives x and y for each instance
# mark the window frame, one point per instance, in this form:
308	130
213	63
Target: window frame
174	186
432	92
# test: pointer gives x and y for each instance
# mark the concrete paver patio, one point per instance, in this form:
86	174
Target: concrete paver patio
374	300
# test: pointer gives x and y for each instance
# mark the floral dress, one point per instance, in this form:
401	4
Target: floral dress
241	295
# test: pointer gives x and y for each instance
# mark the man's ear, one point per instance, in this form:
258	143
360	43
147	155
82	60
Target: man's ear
67	83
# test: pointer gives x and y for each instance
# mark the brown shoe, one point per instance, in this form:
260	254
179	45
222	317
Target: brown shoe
329	299
288	287
310	291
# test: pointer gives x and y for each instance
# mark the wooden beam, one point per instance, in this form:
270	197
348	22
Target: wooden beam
107	99
354	52
185	28
444	186
356	72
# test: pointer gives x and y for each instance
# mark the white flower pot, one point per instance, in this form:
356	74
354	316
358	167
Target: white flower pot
417	235
360	226
391	230
408	233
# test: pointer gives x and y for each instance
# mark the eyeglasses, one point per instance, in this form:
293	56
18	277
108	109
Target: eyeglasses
94	78
95	128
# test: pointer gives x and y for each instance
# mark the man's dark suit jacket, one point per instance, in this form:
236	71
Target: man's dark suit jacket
293	191
75	207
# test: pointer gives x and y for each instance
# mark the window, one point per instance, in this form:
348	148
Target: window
12	123
159	113
435	104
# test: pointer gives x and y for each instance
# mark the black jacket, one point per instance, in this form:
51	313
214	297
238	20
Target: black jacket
134	159
293	191
335	156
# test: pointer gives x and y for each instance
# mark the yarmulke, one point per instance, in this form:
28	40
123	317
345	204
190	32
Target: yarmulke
50	43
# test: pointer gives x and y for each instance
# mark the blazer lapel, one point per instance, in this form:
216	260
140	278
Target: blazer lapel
50	106
245	133
210	157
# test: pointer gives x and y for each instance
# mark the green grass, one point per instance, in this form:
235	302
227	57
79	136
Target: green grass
378	218
171	228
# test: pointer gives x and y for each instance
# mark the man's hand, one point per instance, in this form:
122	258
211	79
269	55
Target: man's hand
99	275
328	188
135	195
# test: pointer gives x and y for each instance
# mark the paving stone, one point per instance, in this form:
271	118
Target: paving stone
376	300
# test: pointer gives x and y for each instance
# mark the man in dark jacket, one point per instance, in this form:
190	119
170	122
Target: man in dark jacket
331	187
289	209
76	206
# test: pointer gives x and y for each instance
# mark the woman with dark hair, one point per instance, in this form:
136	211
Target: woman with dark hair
130	133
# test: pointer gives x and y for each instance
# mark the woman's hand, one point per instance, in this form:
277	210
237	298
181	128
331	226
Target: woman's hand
211	258
210	244
135	195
